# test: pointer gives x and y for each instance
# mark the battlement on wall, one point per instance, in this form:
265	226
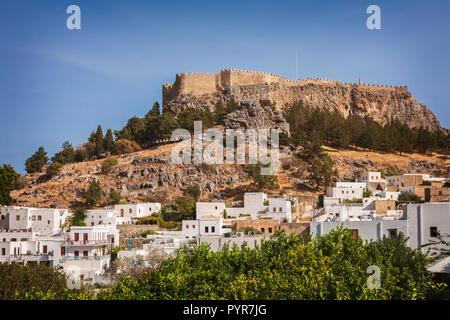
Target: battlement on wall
199	83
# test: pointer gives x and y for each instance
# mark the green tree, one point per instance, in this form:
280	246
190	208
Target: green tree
155	110
262	181
53	169
321	171
193	191
330	267
8	176
99	141
19	281
367	193
114	197
93	195
108	143
37	161
66	155
78	218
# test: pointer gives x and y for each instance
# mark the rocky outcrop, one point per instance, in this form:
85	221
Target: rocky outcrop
251	115
380	103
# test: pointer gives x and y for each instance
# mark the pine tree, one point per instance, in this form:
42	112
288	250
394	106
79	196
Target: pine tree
99	140
155	110
108	143
37	161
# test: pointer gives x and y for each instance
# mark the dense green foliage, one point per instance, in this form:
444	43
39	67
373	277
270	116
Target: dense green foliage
114	197
193	191
37	161
332	129
262	181
321	170
93	195
390	171
333	266
66	155
8	178
34	281
78	218
408	197
108	164
53	169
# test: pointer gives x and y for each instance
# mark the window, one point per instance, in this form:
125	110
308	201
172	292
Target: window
17	218
263	230
3	251
206	229
48	221
392	233
270	230
63	251
121	212
187	226
355	233
213	229
3	217
39	218
433	232
274	209
130	210
76	253
76	237
44	249
193	226
280	209
85	253
216	207
33	218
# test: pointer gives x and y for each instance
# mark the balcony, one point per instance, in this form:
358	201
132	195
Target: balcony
82	258
89	243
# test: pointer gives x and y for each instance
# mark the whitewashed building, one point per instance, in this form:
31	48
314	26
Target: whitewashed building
419	222
43	221
370	177
135	211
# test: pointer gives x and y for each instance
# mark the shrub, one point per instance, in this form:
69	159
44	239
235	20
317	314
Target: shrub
123	146
108	164
114	197
53	169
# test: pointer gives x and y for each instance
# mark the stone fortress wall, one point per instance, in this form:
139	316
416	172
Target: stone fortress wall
197	83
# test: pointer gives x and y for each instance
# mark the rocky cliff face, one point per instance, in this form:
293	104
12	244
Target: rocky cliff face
251	115
380	103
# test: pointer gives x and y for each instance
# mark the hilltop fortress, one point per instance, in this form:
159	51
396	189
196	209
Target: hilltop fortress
381	102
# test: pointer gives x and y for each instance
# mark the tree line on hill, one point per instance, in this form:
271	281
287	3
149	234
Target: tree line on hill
331	128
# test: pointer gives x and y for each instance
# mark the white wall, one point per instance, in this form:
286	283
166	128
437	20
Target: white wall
345	193
204	209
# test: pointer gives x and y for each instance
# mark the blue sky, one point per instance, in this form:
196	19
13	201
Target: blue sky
58	84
